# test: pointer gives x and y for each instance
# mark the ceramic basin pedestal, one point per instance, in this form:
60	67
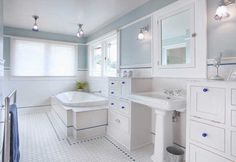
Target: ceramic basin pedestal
164	135
164	107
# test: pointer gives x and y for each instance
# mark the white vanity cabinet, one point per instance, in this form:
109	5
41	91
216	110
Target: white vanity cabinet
128	123
211	121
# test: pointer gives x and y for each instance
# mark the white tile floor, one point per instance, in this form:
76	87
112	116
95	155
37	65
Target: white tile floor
42	141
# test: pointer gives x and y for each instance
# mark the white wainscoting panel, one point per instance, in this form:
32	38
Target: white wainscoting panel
36	91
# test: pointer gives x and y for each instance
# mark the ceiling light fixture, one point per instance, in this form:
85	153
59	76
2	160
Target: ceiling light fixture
80	32
141	33
222	10
35	27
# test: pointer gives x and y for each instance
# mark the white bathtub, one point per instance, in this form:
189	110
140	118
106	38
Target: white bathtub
83	115
80	99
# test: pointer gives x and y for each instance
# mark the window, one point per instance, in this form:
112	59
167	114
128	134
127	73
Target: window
103	58
42	58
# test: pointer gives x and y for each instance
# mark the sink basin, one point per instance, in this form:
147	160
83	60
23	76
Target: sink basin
158	100
164	105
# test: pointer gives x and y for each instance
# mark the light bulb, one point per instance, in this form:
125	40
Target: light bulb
141	35
221	12
81	32
35	27
78	34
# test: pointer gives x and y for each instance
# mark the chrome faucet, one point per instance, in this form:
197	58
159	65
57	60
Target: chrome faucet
169	92
173	92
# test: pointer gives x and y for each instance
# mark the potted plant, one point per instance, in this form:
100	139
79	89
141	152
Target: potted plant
81	86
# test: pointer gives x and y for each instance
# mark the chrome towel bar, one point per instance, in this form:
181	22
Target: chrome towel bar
7	125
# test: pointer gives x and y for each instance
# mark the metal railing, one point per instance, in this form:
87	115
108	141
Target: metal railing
7	125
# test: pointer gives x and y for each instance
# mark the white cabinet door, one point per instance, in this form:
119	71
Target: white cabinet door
208	103
233	118
119	121
233	143
200	155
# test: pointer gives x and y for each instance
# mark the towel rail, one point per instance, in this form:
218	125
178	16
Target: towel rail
7	125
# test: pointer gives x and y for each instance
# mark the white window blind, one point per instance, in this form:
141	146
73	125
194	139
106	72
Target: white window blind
42	58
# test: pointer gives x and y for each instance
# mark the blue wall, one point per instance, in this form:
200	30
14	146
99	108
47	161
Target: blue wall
6	50
134	51
221	34
82	49
82	57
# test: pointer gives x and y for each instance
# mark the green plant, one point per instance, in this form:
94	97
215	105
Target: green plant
81	85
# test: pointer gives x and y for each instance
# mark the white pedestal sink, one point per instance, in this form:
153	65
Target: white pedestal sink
164	106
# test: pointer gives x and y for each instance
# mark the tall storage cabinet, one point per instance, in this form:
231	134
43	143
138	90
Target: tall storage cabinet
211	122
128	123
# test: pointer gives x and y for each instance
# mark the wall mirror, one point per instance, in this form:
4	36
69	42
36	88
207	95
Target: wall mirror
179	40
176	39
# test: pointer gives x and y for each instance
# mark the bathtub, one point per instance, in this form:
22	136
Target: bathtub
82	115
80	99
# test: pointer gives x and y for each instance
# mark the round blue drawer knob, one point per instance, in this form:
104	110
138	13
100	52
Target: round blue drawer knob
123	82
112	92
204	134
205	90
112	103
122	107
112	83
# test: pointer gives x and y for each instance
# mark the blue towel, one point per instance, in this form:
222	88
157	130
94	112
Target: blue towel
15	142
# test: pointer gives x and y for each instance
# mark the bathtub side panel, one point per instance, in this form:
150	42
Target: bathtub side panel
85	120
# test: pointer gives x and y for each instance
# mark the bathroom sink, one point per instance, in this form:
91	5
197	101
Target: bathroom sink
159	100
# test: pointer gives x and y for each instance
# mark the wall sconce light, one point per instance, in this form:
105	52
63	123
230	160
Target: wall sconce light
35	26
141	33
80	32
222	11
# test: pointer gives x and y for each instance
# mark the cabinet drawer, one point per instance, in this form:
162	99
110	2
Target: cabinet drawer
208	135
125	87
114	84
233	143
124	107
200	155
233	118
113	104
233	97
114	92
208	103
118	121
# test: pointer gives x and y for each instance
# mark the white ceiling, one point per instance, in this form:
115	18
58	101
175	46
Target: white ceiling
62	16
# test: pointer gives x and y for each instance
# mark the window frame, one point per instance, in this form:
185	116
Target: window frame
103	41
15	77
